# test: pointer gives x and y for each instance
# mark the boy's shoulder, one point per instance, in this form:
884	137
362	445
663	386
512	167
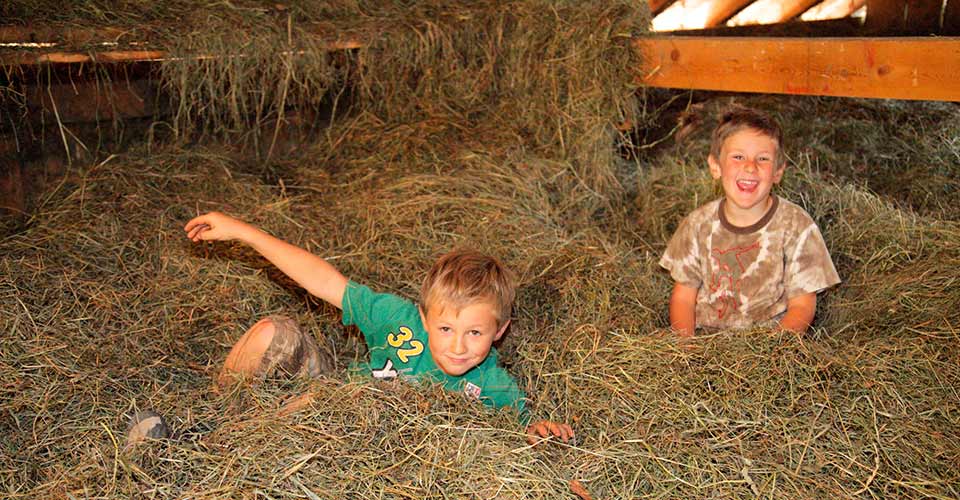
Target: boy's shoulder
377	313
793	213
364	294
706	212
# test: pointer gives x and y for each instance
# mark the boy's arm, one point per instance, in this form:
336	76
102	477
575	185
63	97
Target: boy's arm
683	303
310	271
547	428
800	311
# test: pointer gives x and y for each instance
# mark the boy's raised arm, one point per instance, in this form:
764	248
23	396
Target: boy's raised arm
310	271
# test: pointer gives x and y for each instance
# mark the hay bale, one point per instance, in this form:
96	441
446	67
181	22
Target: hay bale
109	310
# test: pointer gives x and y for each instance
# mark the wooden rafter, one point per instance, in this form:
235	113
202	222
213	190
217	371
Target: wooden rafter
770	12
658	5
899	68
35	57
832	9
696	14
72	36
724	9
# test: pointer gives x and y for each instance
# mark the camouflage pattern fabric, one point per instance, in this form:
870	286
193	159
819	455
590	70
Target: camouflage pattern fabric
293	352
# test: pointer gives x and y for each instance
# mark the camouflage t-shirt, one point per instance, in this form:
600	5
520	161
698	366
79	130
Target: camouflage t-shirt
744	275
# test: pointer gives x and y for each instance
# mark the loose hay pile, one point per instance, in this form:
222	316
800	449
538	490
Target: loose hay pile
107	309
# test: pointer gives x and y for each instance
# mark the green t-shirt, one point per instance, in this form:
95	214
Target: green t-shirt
398	348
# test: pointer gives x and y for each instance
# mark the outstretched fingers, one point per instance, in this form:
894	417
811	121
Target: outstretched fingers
211	226
195	232
547	428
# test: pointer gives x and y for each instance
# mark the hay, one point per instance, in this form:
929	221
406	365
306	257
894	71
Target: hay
907	152
106	309
111	310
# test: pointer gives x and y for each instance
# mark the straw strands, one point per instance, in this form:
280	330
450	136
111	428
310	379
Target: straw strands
106	309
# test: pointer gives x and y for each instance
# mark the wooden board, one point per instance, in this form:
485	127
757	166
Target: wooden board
832	9
897	68
770	12
658	5
696	14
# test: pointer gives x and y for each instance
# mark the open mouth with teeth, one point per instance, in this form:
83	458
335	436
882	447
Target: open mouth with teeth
747	186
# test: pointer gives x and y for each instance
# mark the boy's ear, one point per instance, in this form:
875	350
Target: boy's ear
714	166
778	173
423	317
503	329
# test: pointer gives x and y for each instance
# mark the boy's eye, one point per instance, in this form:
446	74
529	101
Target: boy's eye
445	329
737	156
474	333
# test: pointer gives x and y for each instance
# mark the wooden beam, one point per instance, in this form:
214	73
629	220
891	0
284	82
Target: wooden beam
656	6
30	58
696	14
39	57
87	102
833	28
770	12
724	9
73	36
832	9
896	68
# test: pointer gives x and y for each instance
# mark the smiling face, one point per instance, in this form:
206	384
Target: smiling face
461	339
747	169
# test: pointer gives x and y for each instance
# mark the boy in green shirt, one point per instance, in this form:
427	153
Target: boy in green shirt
465	305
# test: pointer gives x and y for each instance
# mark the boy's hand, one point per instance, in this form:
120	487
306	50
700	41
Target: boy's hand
547	428
214	226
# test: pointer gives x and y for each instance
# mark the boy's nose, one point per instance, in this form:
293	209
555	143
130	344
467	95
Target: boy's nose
459	345
750	165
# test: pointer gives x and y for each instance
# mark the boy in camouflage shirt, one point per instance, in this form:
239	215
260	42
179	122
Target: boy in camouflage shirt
750	257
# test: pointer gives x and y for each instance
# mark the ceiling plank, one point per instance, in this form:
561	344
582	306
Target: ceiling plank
920	68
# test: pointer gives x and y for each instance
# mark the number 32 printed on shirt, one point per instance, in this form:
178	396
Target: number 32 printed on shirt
412	348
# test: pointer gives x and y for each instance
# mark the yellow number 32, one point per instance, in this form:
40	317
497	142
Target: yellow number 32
415	348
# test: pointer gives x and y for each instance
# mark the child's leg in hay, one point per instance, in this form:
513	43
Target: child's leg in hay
145	425
273	346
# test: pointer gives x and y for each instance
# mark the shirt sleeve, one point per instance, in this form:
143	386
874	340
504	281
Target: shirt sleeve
371	312
809	268
681	256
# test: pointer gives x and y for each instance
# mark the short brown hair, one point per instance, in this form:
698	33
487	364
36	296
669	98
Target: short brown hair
737	118
462	277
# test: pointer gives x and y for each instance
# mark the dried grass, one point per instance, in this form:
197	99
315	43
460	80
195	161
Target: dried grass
107	309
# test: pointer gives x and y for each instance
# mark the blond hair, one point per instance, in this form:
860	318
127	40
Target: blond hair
737	118
463	277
